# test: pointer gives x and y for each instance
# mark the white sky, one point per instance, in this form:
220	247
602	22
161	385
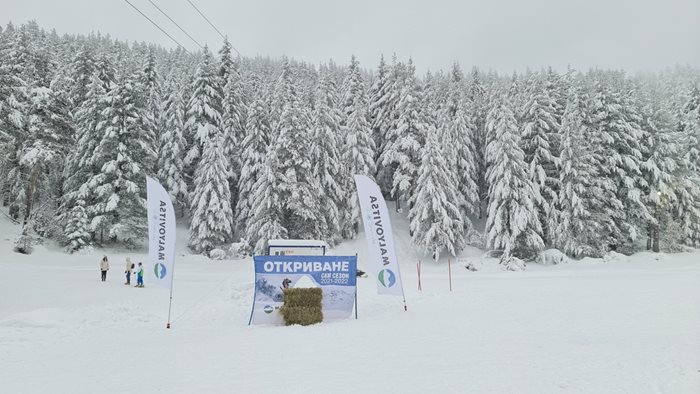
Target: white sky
505	35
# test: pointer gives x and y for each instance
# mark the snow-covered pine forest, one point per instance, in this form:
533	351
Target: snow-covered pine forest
584	161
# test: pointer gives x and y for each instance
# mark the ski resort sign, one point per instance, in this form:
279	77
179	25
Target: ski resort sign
336	275
380	240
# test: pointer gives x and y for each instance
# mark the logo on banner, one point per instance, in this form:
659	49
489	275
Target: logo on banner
387	277
159	270
268	309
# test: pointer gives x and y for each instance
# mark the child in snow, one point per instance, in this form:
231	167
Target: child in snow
129	268
139	275
104	267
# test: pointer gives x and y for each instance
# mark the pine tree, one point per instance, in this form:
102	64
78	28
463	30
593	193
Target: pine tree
83	69
300	190
267	217
233	126
359	147
381	111
512	224
77	229
388	122
325	156
125	152
576	231
435	220
688	208
404	152
14	112
619	153
203	116
172	147
212	216
540	128
84	163
253	150
476	99
460	145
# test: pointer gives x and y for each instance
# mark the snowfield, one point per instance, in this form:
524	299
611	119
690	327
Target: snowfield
627	325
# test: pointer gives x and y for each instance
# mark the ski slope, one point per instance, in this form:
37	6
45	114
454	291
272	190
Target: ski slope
631	325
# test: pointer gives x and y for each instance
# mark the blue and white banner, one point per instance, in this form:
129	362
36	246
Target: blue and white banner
380	238
336	275
161	235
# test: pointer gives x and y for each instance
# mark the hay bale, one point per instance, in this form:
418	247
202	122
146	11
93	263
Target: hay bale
311	296
304	315
302	306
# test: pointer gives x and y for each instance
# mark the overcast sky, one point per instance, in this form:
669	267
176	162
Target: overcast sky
505	35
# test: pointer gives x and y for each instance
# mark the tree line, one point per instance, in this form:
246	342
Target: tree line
260	148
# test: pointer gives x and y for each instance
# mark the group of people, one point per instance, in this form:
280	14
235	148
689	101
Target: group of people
130	268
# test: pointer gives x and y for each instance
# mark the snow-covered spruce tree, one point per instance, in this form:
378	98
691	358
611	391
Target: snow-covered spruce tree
512	224
382	108
151	93
253	150
170	165
212	217
50	136
358	149
539	129
14	111
477	104
325	156
233	126
460	145
659	167
300	191
77	228
404	152
83	67
203	115
619	152
576	231
266	220
84	163
688	209
125	151
435	220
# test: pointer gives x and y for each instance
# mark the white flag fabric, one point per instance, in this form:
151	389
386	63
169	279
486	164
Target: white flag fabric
380	239
161	235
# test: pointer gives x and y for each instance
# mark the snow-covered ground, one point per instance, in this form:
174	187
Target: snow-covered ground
630	325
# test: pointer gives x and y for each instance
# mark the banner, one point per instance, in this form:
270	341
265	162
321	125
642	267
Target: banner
161	235
335	275
380	239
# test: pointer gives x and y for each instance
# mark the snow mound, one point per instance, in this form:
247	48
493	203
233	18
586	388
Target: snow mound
217	254
613	256
552	257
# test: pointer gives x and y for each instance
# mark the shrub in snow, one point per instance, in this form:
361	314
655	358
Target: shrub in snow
239	250
614	256
552	257
217	254
24	244
476	239
512	263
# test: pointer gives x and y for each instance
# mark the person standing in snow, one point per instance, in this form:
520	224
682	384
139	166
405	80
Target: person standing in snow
104	267
139	275
129	268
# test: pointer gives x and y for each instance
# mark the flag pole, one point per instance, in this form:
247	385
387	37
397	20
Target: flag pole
355	286
449	270
170	304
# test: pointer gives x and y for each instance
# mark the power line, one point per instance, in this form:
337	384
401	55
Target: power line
212	25
175	23
156	25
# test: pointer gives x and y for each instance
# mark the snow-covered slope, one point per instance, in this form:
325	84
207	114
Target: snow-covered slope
624	326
